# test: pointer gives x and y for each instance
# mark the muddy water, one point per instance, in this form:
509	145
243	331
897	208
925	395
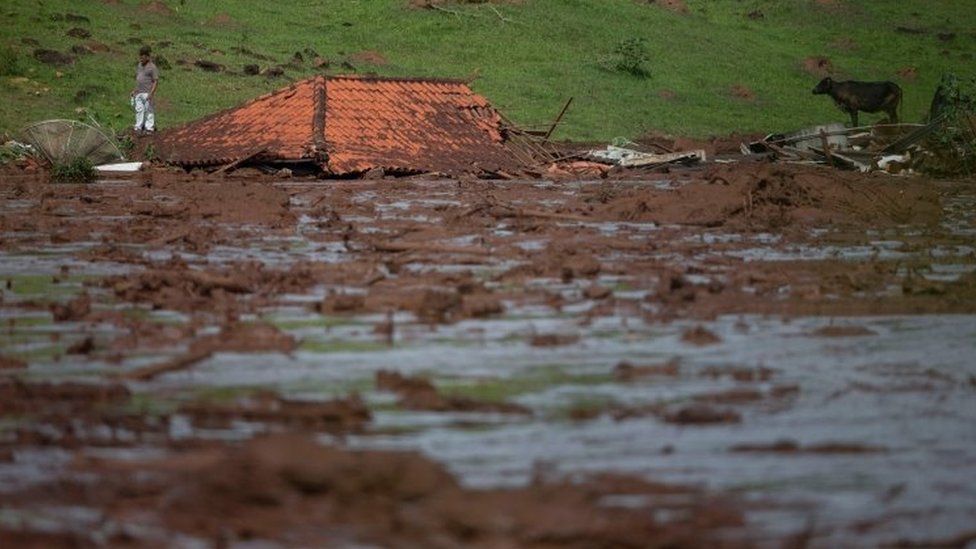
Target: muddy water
795	339
864	428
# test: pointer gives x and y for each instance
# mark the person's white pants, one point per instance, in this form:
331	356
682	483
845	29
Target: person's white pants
145	115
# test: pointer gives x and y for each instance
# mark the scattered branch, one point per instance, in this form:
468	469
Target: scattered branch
427	247
181	362
500	16
434	5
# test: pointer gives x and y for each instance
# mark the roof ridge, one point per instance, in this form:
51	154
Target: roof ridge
377	78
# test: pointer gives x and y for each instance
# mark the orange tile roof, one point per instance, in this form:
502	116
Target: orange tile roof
350	124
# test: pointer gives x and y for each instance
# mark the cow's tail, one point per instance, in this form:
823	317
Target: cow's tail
894	106
898	117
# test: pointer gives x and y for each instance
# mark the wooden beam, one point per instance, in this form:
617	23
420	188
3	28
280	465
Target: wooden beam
245	158
556	122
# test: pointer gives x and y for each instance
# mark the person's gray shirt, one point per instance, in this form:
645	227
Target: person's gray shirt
145	76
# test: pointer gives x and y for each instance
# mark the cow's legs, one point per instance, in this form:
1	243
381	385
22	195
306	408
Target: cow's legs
893	114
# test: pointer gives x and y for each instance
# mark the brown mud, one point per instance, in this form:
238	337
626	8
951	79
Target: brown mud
180	368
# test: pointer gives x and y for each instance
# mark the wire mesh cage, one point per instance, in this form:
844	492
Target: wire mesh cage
65	141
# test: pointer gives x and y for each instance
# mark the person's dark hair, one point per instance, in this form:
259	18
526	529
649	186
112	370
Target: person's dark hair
145	50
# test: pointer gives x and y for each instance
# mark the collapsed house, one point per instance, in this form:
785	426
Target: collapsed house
345	126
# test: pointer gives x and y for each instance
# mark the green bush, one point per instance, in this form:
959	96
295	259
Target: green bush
10	62
6	155
952	148
79	170
126	144
12	151
630	56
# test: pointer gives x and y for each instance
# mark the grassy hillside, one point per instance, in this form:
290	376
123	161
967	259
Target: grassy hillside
720	67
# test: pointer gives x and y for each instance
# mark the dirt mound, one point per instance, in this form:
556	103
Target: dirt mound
284	488
97	47
71	415
52	57
179	286
11	363
224	201
157	7
818	66
778	196
222	20
338	416
907	73
677	6
70	398
435	4
368	57
740	91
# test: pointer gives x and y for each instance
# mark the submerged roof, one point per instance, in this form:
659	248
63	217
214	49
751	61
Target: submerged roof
351	124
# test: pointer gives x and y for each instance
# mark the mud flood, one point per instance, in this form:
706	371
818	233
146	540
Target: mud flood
734	355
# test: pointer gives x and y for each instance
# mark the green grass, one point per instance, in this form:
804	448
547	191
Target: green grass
144	403
47	353
341	346
224	395
45	287
529	57
324	322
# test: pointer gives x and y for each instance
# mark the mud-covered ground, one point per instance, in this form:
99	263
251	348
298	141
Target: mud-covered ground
743	354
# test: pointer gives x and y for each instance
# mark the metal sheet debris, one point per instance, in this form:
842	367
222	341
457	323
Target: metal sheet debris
120	167
630	158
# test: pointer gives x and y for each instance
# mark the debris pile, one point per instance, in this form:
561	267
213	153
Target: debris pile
891	148
599	162
944	145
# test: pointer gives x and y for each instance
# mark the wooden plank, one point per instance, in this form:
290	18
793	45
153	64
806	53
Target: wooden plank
556	122
648	159
240	160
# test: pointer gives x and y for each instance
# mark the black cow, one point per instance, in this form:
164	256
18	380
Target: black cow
851	96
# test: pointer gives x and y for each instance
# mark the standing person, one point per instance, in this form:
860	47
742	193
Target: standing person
147	77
